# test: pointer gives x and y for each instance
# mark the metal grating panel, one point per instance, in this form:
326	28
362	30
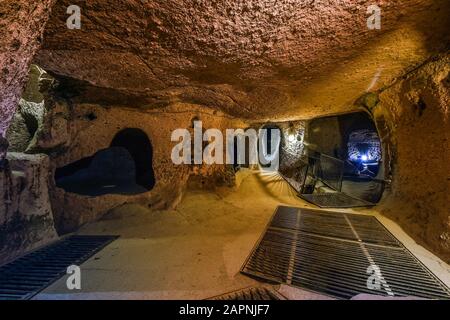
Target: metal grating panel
25	277
330	224
251	294
335	200
330	252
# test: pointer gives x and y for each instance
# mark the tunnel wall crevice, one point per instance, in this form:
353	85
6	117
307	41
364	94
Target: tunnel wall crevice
415	109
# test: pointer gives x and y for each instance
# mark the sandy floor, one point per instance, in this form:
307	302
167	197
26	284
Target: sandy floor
196	251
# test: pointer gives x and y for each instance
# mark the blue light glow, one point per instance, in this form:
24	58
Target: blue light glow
364	146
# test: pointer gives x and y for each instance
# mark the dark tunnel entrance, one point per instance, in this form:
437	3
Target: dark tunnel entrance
123	168
335	161
137	143
349	153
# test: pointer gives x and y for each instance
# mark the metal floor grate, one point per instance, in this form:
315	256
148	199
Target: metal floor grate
251	294
330	253
26	276
331	224
335	200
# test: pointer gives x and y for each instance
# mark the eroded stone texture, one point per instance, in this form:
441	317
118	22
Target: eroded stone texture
255	59
416	109
22	23
29	114
141	64
18	134
86	121
24	125
26	218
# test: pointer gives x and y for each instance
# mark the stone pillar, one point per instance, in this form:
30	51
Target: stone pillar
26	216
22	25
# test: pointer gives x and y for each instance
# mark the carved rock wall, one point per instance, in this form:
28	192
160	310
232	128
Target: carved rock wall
26	217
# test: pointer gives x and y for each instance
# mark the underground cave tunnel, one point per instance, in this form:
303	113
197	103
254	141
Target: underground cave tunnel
339	141
347	153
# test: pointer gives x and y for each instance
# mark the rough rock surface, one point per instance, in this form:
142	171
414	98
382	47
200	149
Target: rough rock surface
26	218
139	63
72	210
251	58
416	109
18	134
26	122
22	23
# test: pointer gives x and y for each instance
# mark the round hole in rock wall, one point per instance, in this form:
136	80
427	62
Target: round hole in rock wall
362	177
123	168
352	139
139	146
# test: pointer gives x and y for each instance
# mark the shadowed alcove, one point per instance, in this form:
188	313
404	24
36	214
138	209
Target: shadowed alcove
123	168
301	149
350	153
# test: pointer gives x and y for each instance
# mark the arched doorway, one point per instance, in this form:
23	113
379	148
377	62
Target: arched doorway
123	168
137	143
348	150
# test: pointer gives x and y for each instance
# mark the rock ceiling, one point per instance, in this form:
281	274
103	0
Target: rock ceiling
256	59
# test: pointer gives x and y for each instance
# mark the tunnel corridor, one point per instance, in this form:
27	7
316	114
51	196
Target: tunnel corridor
255	149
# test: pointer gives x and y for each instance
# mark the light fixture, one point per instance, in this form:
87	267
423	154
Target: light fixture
291	138
291	133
